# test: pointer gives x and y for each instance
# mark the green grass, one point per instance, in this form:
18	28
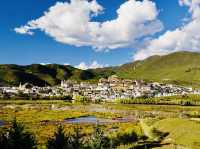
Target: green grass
148	108
182	132
180	68
21	102
149	130
171	100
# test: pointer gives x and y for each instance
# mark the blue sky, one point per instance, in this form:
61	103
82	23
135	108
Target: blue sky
40	48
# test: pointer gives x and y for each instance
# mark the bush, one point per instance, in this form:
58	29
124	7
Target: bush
125	138
60	140
99	140
185	103
81	99
76	139
63	141
17	138
86	75
3	141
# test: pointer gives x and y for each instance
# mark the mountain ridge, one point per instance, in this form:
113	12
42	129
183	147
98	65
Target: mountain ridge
177	68
182	68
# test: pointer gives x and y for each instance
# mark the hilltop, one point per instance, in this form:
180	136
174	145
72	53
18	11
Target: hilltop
42	75
182	68
178	68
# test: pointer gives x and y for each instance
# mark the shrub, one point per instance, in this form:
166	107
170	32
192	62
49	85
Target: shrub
98	139
3	141
17	138
185	103
86	75
125	138
77	139
81	99
60	140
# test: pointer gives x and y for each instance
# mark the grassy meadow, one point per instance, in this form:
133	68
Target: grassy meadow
157	126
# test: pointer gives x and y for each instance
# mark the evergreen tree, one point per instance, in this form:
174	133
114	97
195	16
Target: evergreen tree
17	138
77	142
98	140
3	141
60	140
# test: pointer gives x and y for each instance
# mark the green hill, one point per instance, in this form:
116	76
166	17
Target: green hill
181	68
36	74
42	75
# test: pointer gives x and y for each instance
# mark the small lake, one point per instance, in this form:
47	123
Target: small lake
2	123
85	119
94	119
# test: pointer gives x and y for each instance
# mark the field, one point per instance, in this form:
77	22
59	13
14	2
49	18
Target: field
182	132
163	125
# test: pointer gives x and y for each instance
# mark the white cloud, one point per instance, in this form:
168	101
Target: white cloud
71	23
184	38
66	64
24	30
194	7
93	65
45	64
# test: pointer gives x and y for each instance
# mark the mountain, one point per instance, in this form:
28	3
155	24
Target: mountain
42	75
182	68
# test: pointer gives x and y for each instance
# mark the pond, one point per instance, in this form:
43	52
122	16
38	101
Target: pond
85	119
2	123
94	119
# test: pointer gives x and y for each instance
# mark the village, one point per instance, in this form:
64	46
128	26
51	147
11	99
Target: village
108	89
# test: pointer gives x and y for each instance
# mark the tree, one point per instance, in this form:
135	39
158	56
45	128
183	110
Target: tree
17	138
60	140
77	142
81	99
98	140
86	75
3	141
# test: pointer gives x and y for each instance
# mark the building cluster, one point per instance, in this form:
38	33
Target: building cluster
106	89
117	88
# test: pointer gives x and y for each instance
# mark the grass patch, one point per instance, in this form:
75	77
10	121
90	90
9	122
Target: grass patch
183	132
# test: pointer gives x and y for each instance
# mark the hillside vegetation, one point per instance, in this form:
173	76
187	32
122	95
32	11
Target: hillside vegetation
51	74
182	68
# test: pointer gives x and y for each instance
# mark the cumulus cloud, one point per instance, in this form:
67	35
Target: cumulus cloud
66	64
194	7
184	38
45	64
24	30
93	65
72	23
